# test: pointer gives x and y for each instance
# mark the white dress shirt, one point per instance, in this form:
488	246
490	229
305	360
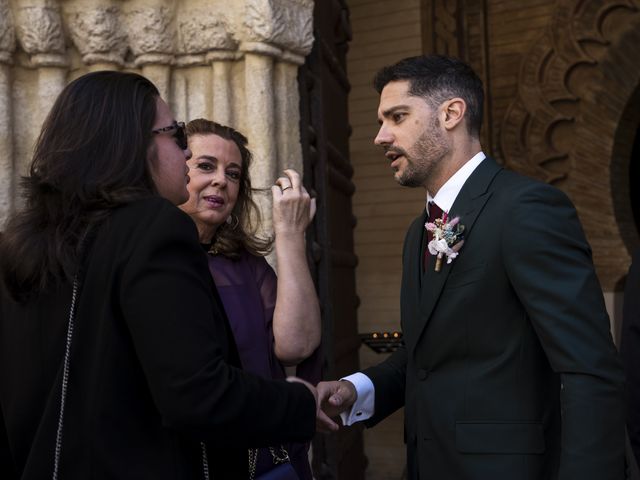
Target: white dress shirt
364	406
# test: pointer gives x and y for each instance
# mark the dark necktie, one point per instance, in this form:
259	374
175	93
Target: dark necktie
434	211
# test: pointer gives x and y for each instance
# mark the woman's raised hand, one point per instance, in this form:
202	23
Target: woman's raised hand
293	208
296	319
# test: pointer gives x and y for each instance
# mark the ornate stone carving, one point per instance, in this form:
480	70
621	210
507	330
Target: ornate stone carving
151	37
98	35
203	30
287	24
7	32
568	120
40	34
545	101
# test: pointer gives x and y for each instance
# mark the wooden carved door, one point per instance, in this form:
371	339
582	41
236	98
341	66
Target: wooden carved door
325	131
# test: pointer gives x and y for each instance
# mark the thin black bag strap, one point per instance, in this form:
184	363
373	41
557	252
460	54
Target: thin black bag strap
85	244
205	461
65	377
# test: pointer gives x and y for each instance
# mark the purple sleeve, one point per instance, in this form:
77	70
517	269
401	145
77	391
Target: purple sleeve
309	369
268	287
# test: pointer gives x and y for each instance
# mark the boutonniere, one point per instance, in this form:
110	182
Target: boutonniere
447	238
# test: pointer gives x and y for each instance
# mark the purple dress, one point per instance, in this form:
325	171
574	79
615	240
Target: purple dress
248	289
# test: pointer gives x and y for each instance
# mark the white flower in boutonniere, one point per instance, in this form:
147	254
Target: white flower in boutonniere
447	238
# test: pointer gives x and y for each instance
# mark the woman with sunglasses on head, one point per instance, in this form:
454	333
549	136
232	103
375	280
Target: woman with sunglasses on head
116	358
275	320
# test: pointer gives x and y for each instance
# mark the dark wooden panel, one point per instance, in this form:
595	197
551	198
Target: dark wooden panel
324	89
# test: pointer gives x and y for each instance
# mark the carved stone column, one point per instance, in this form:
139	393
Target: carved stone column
260	124
204	38
288	113
151	40
97	34
40	33
222	94
271	31
235	62
7	46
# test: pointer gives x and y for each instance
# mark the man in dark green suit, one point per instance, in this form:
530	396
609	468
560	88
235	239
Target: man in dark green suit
508	370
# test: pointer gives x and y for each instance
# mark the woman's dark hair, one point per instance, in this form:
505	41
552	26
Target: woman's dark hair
90	158
438	78
241	232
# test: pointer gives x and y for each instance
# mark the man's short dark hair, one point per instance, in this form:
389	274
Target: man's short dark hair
438	78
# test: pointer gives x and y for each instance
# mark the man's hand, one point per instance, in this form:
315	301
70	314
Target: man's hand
334	398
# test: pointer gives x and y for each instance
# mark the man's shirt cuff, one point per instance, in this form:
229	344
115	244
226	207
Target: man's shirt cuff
363	408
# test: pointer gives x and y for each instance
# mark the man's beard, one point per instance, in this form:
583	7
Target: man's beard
425	158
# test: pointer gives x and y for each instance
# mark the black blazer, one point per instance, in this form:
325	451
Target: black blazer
150	372
508	370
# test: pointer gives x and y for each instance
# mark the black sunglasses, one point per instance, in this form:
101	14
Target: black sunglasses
180	134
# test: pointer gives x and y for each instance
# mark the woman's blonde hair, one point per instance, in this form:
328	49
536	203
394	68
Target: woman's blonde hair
240	232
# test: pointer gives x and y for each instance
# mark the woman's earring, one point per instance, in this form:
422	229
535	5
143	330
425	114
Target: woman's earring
232	221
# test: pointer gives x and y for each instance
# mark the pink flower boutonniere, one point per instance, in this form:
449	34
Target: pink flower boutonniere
447	238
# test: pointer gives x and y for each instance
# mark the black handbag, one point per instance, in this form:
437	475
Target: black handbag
283	469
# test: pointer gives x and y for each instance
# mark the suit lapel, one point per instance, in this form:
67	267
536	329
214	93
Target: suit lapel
421	240
413	252
468	206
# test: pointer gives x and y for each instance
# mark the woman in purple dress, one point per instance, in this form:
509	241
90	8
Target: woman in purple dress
275	320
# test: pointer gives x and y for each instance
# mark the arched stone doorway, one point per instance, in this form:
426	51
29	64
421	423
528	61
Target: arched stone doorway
625	194
625	174
574	122
634	179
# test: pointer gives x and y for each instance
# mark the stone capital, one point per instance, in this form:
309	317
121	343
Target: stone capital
7	32
39	31
98	35
203	30
151	34
285	24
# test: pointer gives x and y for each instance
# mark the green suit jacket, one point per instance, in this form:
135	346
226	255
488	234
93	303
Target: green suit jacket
508	370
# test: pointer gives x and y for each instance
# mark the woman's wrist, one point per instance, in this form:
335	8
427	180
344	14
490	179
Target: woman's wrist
288	235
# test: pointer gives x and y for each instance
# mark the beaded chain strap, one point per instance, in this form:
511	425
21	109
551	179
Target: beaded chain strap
282	457
65	378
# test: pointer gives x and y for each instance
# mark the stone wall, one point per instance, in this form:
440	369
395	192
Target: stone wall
232	61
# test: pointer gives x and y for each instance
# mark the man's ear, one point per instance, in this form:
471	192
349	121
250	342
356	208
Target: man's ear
453	111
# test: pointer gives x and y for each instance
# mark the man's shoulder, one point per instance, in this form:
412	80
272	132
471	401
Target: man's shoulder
510	180
511	184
